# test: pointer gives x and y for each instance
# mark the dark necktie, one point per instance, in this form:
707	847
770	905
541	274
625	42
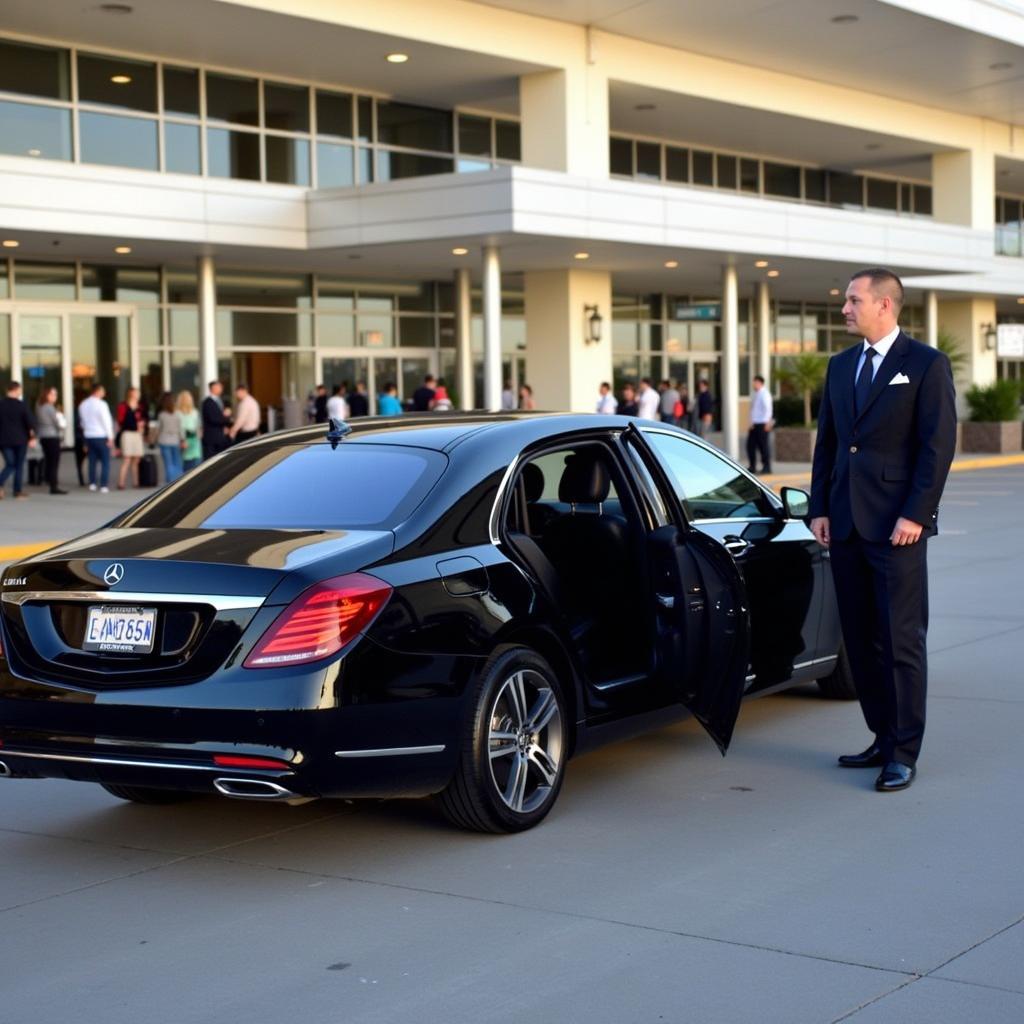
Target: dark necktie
863	385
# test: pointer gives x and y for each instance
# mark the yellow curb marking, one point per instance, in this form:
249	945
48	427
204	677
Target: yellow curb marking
15	551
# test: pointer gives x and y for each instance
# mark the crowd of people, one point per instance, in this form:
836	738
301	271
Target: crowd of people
666	403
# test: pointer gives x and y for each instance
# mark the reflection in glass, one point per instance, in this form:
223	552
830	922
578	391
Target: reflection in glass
416	297
185	374
232	98
923	199
782	180
335	331
474	135
814	185
151	375
99	355
392	166
120	141
246	329
620	155
263	288
883	194
5	285
365	159
5	347
28	130
53	281
364	110
182	284
34	70
403	124
334	113
750	176
183	326
472	166
233	154
286	107
845	189
648	160
677	163
375	332
120	284
181	91
334	293
416	332
287	160
507	140
181	148
117	82
726	167
149	324
39	341
334	165
703	168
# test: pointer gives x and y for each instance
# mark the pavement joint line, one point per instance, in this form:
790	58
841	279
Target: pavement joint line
638	926
976	640
876	999
173	862
971	948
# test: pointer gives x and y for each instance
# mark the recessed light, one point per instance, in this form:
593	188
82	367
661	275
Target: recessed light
397	58
645	106
120	79
35	152
844	19
459	251
873	145
1001	65
581	255
774	273
1020	301
833	291
10	243
116	8
122	250
760	264
671	264
354	256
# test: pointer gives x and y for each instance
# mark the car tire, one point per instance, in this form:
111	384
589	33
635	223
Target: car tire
513	749
145	795
838	685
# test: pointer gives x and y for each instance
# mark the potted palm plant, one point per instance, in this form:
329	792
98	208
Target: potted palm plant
804	375
994	425
950	346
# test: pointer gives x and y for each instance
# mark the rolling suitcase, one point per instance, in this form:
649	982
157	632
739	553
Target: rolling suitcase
147	471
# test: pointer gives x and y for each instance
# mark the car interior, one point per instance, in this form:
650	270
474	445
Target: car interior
574	526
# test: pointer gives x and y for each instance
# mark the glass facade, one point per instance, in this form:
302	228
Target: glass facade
60	103
680	165
1009	225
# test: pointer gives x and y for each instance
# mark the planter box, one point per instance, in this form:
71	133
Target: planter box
992	437
793	444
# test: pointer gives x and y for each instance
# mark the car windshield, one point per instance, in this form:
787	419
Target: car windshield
297	487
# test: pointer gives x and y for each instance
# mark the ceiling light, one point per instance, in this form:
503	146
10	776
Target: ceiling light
116	8
844	19
120	79
459	251
760	264
1001	65
35	152
671	264
581	255
397	58
10	243
833	291
645	106
774	273
1020	301
122	250
873	145
354	256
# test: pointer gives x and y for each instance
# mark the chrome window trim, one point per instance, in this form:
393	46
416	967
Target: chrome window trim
434	748
815	661
222	602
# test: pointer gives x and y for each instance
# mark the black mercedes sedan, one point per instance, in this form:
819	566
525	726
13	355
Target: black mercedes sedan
449	606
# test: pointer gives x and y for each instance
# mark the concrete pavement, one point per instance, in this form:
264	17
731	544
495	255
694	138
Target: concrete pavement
668	884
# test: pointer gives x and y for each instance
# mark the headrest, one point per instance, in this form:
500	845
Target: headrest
533	481
584	480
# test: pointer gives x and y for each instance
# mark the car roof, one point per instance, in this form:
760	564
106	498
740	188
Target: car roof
444	431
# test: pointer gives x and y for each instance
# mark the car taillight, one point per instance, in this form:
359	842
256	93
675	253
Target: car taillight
320	621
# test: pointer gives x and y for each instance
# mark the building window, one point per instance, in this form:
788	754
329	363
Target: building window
1009	225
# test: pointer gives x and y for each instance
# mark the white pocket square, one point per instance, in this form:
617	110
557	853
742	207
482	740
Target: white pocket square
900	378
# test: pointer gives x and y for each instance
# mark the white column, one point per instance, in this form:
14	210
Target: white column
207	323
931	318
730	397
964	187
463	338
764	333
492	328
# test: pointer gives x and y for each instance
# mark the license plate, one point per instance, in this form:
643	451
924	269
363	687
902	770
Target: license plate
120	629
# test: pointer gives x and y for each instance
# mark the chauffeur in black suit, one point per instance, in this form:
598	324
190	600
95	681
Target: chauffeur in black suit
886	436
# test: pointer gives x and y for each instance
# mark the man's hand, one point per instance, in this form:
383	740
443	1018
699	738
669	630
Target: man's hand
820	529
906	532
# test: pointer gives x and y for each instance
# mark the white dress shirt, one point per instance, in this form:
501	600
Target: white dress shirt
761	406
649	402
337	408
607	404
882	347
94	416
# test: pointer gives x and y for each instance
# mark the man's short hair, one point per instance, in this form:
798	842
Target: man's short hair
884	283
213	384
758	376
605	384
13	386
96	388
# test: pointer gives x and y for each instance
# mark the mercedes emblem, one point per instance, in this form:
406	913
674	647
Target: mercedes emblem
114	574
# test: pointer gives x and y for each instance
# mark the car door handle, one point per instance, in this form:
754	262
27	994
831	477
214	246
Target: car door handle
666	600
736	545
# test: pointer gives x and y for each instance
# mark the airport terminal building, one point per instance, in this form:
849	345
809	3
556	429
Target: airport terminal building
547	193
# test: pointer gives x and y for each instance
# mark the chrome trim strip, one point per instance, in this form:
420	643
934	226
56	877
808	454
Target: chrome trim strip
274	791
435	748
815	661
222	602
737	520
494	523
118	762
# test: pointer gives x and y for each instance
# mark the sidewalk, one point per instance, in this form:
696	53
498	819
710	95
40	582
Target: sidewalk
47	519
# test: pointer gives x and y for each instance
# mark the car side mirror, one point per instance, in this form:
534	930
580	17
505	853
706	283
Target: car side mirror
796	503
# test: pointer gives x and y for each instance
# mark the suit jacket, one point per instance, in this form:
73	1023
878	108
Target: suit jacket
214	422
16	422
892	459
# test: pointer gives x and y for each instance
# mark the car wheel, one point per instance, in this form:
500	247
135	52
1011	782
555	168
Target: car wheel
514	747
145	795
839	684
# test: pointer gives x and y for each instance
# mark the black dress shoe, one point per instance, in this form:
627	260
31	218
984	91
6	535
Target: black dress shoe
895	776
57	490
870	758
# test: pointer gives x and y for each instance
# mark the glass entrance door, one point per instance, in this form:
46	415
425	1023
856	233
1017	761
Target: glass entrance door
73	349
403	368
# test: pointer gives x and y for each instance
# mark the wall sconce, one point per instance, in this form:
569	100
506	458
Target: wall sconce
594	322
989	335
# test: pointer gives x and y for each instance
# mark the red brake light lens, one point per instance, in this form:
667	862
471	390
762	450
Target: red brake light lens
320	621
238	761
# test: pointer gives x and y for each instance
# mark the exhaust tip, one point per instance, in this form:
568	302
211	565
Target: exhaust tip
258	789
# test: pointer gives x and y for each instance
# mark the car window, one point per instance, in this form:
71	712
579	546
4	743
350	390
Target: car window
297	487
552	466
708	486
